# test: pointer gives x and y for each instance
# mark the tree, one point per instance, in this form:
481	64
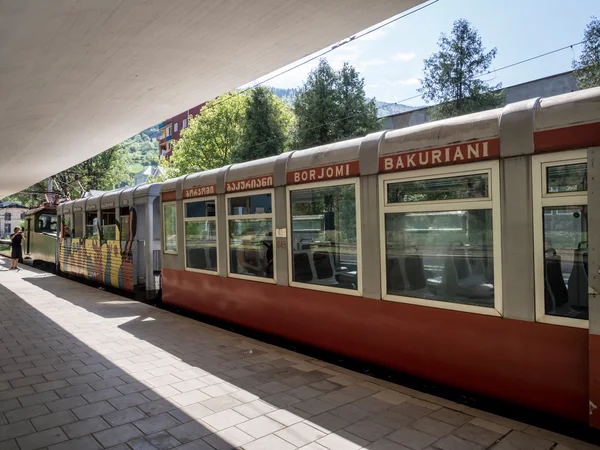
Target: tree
587	68
317	107
359	115
210	139
265	128
451	75
331	106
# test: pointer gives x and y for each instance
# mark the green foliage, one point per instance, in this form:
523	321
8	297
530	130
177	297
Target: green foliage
331	106
210	139
587	68
450	75
266	126
142	150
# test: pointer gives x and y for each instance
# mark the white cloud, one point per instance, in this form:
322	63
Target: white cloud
374	36
404	56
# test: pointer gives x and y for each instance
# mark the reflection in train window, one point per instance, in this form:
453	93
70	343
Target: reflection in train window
441	255
92	225
200	235
109	225
449	188
324	236
125	218
250	204
441	242
170	227
566	178
566	261
67	226
251	251
47	223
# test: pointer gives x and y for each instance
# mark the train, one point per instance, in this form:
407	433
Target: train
456	251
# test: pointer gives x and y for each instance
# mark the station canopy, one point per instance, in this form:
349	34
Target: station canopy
79	76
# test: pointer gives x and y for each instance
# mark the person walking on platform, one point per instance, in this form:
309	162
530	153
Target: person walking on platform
16	254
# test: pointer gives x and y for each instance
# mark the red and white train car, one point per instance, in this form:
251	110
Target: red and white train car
463	251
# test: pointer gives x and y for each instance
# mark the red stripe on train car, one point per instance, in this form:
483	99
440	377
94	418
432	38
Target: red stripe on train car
574	137
594	361
532	364
169	196
460	153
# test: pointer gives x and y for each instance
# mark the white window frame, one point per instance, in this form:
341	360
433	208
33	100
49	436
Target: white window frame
316	287
543	199
201	219
175	127
270	215
492	168
184	123
164	236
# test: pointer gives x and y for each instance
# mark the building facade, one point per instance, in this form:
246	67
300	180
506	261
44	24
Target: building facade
11	214
171	130
561	83
142	176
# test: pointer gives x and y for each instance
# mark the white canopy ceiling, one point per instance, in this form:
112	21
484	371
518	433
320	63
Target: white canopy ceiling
78	76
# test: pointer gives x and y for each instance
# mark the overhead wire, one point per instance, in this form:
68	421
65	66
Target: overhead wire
419	95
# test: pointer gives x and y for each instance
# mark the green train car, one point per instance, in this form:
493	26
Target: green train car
40	230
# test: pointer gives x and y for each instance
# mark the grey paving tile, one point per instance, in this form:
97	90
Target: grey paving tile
104	394
157	407
369	431
215	404
117	435
433	427
108	383
27	381
342	441
452	442
8	405
50	385
42	439
391	419
351	413
224	419
9	445
451	417
28	412
190	431
66	403
83	427
92	410
52	420
260	426
411	410
140	443
478	434
82	443
270	442
300	434
328	422
162	440
71	391
386	444
516	440
195	445
156	423
36	399
16	429
411	438
314	406
127	401
304	392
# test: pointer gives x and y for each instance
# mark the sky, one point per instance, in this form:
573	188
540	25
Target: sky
391	58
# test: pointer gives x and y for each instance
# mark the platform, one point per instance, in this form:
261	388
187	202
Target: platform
81	368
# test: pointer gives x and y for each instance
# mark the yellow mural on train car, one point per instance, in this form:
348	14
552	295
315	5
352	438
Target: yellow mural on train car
109	262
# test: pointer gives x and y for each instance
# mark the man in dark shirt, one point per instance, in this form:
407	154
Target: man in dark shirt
16	253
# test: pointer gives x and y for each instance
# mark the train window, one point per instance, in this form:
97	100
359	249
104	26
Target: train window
450	188
67	226
200	235
125	218
323	236
92	225
109	225
78	225
170	227
441	243
250	204
560	237
47	223
250	243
